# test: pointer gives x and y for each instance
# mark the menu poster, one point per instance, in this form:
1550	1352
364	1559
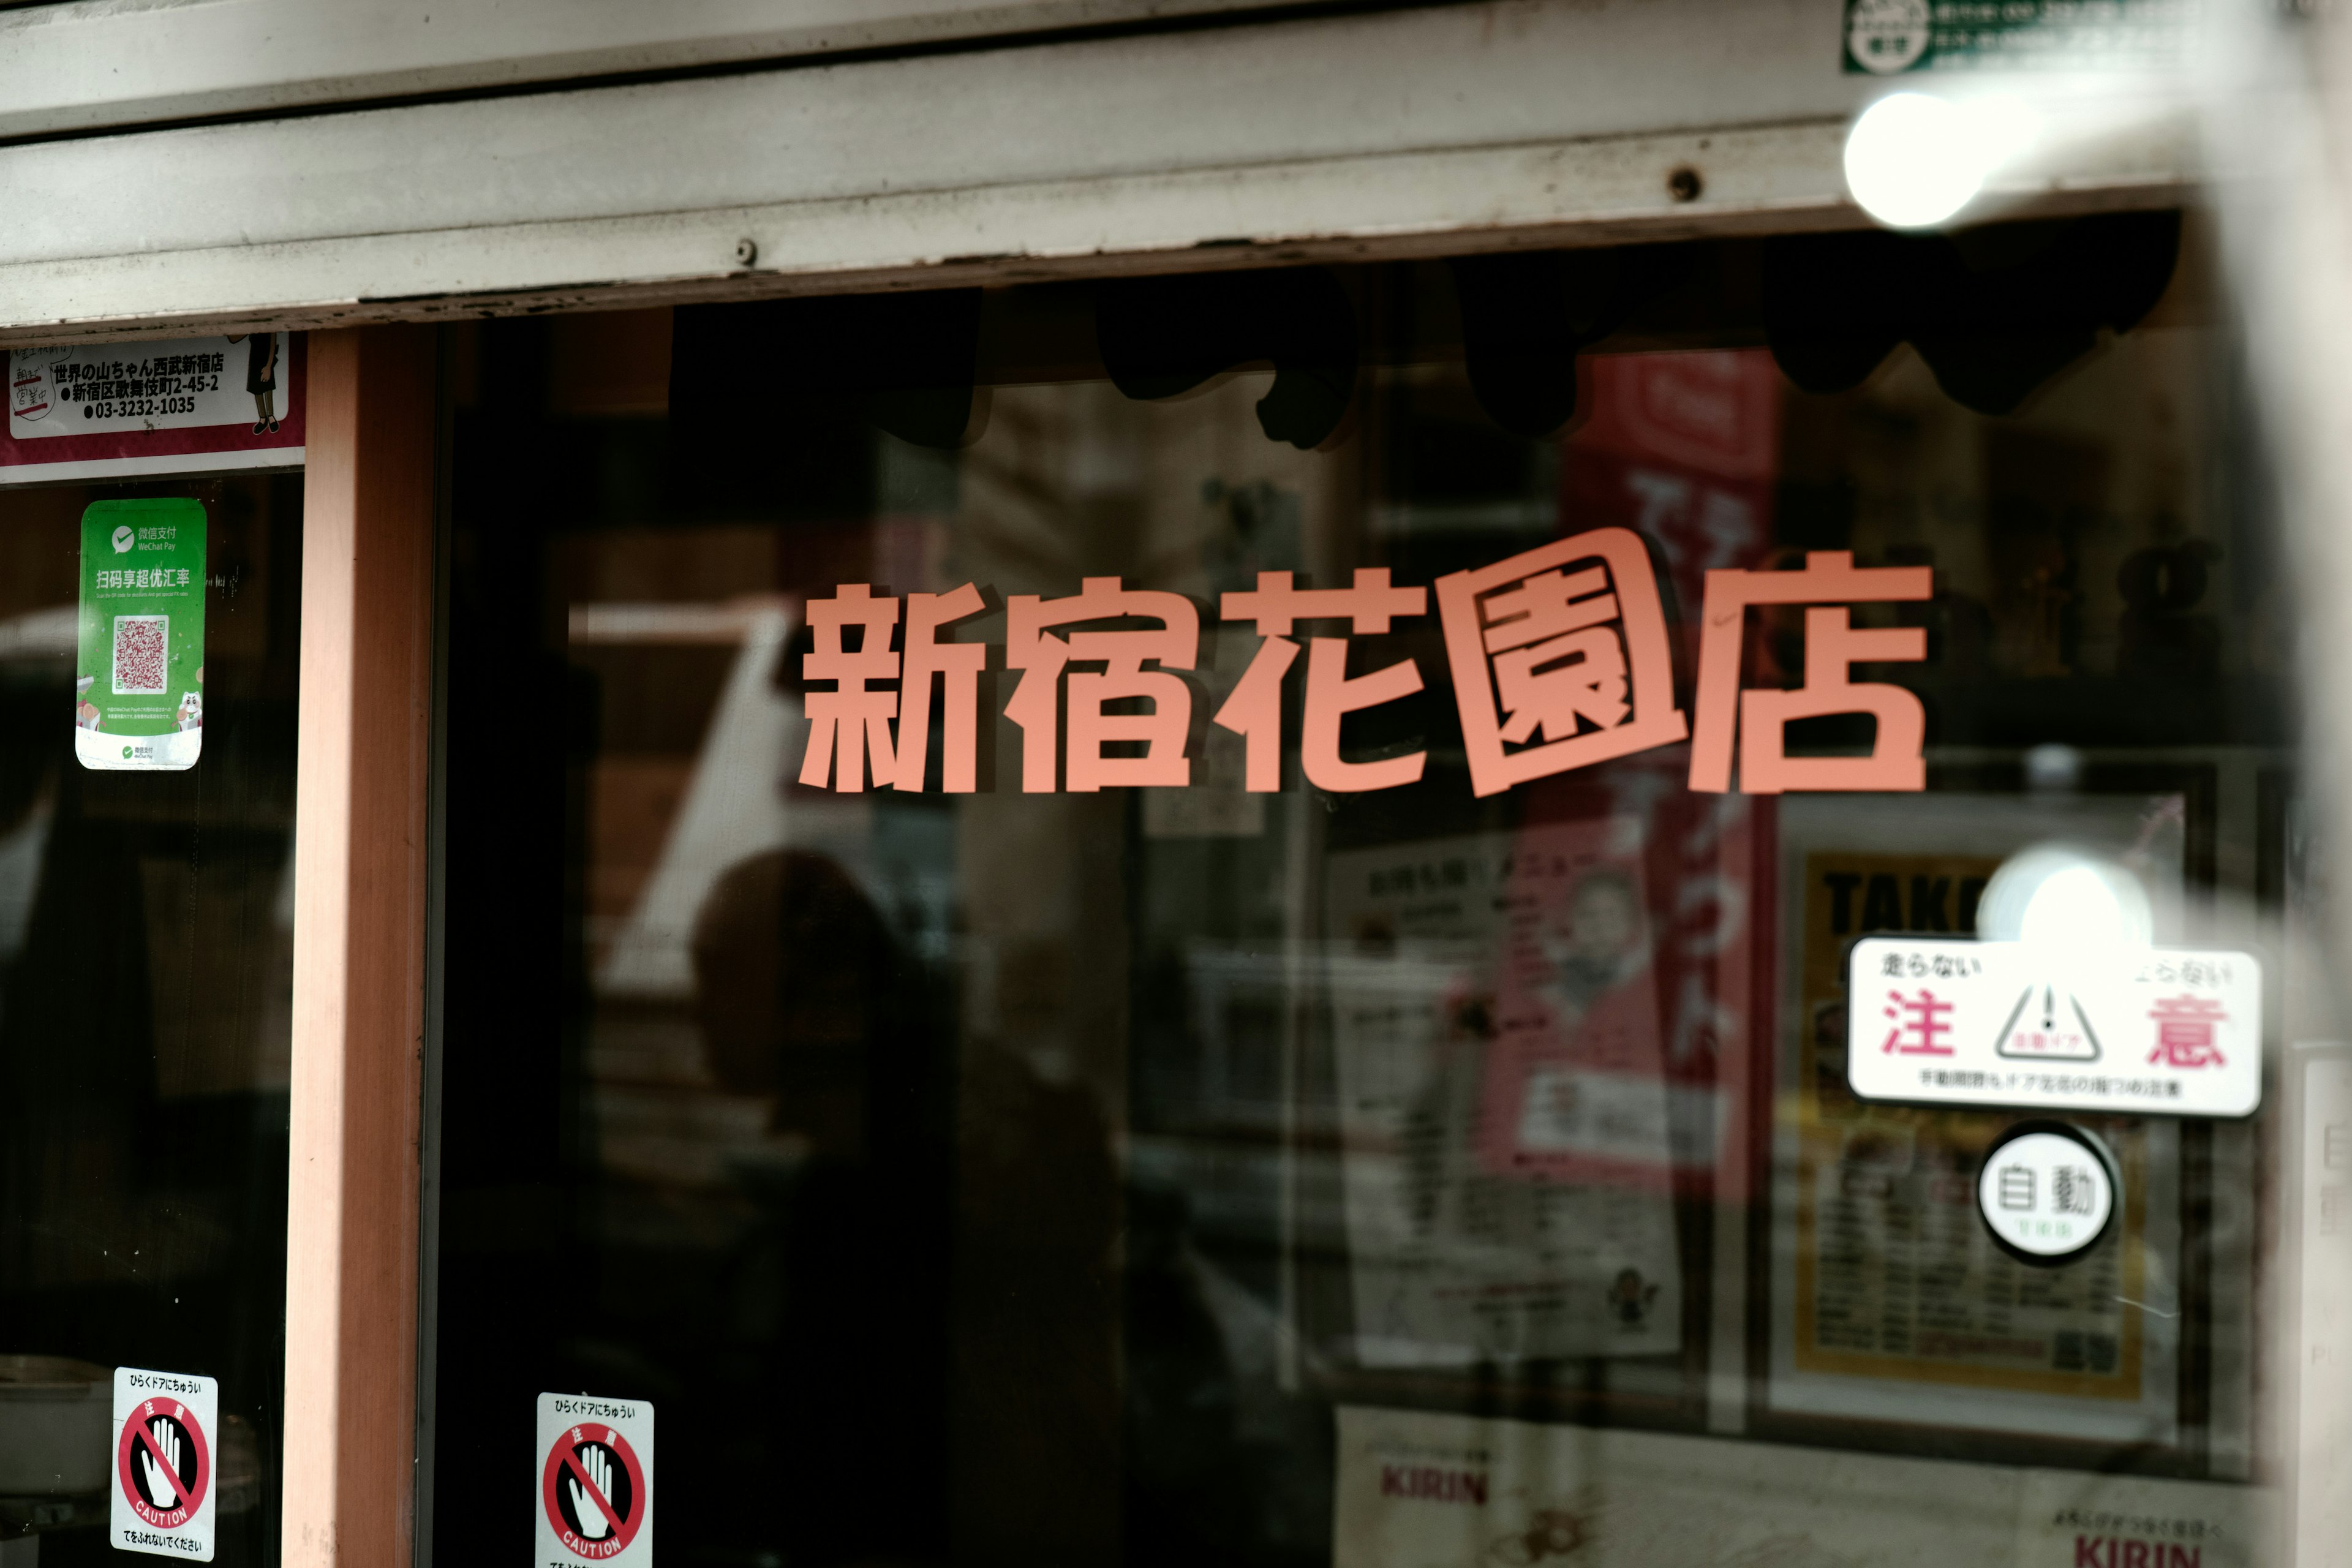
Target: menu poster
1886	1281
1508	1164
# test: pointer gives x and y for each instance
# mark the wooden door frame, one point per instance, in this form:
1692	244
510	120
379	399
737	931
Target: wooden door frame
361	946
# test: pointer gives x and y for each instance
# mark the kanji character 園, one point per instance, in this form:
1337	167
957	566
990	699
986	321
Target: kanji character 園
1557	669
1254	711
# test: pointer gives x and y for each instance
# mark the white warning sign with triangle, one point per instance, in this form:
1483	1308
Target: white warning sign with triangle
2146	1031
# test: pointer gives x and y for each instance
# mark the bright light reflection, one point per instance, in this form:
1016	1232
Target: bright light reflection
1914	159
2058	896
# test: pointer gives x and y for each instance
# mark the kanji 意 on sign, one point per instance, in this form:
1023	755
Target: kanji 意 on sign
1832	645
1032	648
2185	1026
1556	669
1254	712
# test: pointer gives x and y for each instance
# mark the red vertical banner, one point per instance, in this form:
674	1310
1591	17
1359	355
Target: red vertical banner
1684	448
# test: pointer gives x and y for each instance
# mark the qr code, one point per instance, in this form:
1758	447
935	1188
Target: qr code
139	654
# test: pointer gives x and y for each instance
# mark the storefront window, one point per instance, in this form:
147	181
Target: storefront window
1406	913
146	939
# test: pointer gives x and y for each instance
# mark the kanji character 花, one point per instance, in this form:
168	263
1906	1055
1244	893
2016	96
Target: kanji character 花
1579	659
1032	648
1254	711
1831	645
2184	1031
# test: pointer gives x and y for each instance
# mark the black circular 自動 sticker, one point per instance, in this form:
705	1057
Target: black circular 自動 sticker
2047	1192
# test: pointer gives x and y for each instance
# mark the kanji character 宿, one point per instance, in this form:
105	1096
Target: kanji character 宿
1032	648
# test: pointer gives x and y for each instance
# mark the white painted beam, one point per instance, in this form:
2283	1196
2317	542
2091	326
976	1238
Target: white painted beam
93	64
1478	126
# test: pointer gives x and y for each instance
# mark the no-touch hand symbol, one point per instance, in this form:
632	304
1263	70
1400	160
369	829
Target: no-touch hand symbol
163	1464
595	1491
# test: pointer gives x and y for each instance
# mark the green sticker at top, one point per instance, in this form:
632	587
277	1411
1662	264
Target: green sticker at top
139	686
1884	37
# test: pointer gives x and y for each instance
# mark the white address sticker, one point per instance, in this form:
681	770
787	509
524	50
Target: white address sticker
2159	1031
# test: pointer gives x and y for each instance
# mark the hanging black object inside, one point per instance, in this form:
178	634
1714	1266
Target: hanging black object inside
1527	315
1994	312
1161	337
905	362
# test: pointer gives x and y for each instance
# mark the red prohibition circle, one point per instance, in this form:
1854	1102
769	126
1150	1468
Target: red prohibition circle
126	1458
562	1462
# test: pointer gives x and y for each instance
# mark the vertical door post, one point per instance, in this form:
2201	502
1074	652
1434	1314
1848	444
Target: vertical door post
359	948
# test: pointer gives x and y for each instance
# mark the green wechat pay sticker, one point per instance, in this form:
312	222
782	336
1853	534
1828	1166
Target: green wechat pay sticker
138	686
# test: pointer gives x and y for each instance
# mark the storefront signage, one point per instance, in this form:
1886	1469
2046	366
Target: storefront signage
195	406
593	1494
1560	658
1884	38
165	1425
138	679
2046	1191
2151	1031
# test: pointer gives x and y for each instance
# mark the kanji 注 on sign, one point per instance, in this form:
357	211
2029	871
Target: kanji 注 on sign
850	726
1831	645
1556	669
1254	712
1031	647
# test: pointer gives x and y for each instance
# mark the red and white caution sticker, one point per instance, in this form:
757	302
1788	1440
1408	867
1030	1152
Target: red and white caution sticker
595	1491
165	1427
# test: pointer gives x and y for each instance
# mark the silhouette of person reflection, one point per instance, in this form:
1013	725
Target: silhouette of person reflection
835	1309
